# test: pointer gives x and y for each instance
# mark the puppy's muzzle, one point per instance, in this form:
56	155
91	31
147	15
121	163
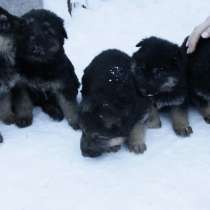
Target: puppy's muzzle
36	50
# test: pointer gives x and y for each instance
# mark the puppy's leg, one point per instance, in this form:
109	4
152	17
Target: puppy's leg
51	107
1	138
70	109
154	118
204	108
6	114
180	121
136	141
23	107
205	111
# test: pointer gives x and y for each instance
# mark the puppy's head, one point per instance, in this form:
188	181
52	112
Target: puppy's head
45	35
157	66
101	123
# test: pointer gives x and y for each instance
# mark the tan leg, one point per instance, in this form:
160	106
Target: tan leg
154	118
180	121
204	110
23	108
6	114
136	141
70	110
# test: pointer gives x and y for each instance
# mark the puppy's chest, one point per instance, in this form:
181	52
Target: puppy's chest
205	95
44	86
167	100
7	50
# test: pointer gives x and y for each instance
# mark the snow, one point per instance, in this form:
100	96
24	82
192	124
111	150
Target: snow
42	167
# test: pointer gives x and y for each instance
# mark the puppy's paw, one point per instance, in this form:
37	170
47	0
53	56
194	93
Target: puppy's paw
23	122
183	131
138	148
54	112
207	119
1	139
9	120
114	149
74	125
154	124
4	23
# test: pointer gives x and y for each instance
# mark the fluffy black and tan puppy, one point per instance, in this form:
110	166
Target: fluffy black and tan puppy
159	71
111	111
10	30
48	73
199	77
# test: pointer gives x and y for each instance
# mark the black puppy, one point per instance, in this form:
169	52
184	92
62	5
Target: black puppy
46	70
199	77
159	70
111	111
10	32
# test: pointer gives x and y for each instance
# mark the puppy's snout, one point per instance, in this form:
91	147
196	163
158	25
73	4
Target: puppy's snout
37	50
87	149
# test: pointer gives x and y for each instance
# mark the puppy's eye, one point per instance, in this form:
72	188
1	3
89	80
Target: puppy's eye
101	116
50	31
158	70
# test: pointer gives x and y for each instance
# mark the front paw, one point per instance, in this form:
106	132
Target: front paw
54	112
1	139
23	122
74	125
183	131
138	148
114	149
9	120
207	119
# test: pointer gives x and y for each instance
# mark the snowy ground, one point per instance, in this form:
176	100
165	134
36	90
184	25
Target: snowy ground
41	167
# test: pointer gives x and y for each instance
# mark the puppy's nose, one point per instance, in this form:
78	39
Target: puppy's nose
87	150
38	50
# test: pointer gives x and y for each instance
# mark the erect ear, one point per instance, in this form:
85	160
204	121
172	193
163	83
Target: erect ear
64	33
139	44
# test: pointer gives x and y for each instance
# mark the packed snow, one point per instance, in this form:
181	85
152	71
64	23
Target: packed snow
42	167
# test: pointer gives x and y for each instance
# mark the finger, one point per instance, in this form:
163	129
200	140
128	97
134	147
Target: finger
206	33
195	36
192	41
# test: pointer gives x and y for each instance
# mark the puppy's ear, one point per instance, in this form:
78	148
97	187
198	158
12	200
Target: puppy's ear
139	44
64	33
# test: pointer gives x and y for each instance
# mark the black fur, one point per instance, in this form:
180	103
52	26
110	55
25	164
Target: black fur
48	73
159	68
155	62
110	105
199	76
10	32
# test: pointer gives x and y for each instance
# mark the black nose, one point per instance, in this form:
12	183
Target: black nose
37	50
88	150
91	153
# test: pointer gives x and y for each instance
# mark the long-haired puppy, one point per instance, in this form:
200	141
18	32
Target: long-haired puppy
159	71
48	73
199	77
10	32
111	112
